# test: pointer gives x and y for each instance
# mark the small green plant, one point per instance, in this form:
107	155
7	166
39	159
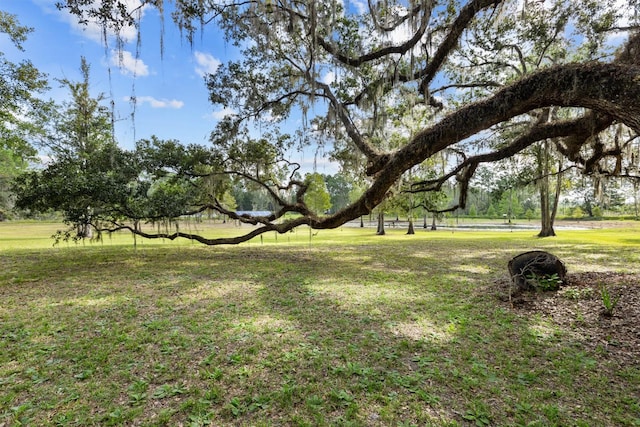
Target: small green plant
138	392
341	398
236	406
212	374
577	294
478	414
608	301
168	390
548	282
428	398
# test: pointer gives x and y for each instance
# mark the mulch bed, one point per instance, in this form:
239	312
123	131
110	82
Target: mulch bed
578	308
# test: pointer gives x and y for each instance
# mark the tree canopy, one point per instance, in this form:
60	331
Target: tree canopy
562	71
21	111
20	83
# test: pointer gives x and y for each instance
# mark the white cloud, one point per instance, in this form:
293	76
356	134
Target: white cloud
45	160
221	114
206	63
129	64
329	78
157	103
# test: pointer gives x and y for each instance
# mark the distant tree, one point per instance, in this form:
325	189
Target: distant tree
22	113
577	212
491	212
11	165
355	193
318	198
608	193
481	187
529	203
529	214
597	212
339	188
509	205
599	191
86	165
229	202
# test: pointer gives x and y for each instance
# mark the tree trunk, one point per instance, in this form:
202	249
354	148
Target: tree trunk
635	198
546	229
556	196
361	222
411	230
380	231
510	212
84	231
433	222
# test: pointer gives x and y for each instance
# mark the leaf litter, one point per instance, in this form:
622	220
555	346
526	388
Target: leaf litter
578	309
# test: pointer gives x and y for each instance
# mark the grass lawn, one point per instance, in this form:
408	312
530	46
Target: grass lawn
339	328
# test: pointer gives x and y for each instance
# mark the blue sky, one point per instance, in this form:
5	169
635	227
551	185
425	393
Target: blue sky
169	84
172	97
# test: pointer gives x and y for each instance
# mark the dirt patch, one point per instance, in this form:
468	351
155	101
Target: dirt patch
578	308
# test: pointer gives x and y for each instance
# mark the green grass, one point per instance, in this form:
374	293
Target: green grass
340	328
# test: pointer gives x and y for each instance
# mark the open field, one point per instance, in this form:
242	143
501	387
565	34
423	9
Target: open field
338	328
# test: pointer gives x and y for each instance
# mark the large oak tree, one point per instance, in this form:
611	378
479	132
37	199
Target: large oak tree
343	65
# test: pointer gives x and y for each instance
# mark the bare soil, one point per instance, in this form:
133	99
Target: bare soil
578	308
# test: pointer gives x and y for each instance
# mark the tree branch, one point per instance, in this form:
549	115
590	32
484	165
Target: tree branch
609	89
382	52
451	40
